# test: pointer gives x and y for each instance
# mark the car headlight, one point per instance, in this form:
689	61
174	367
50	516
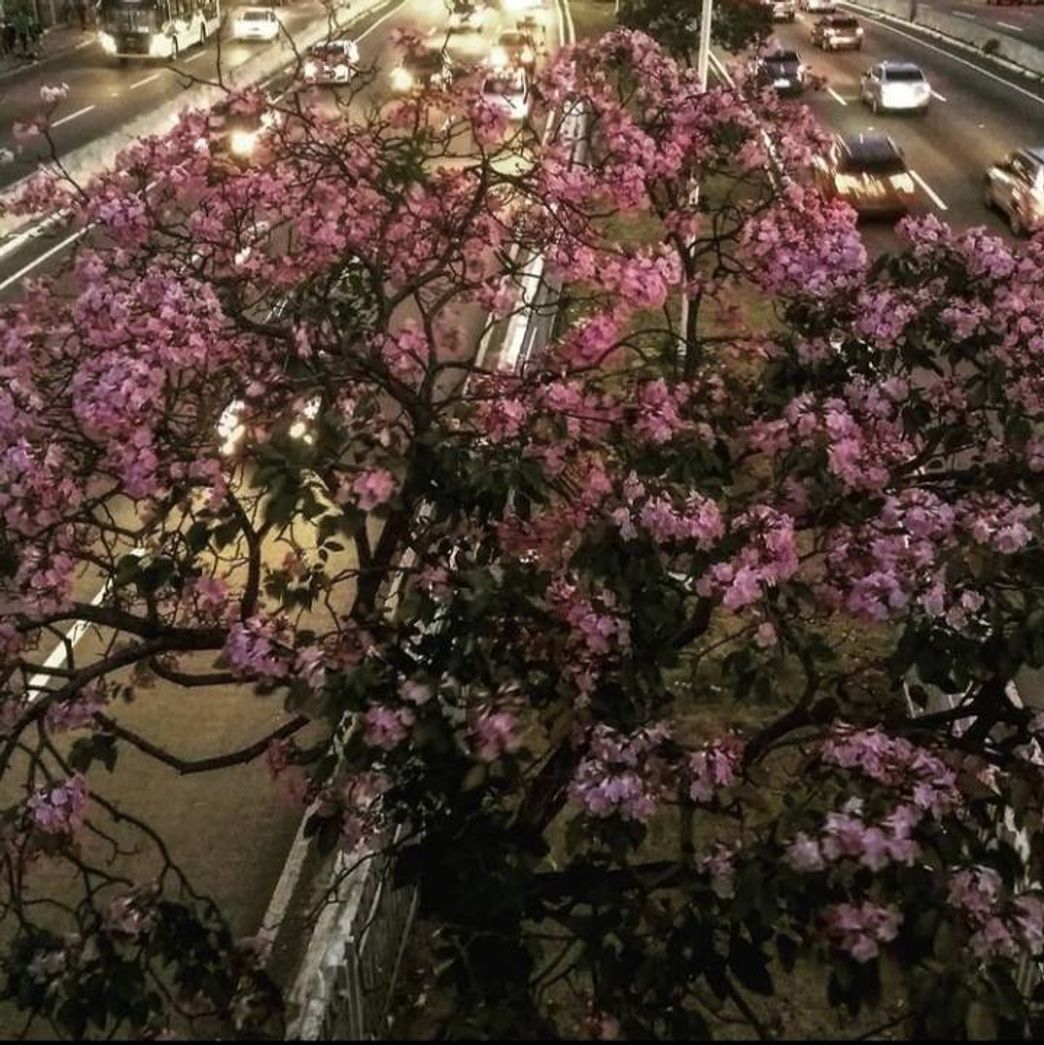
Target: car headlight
401	79
498	58
108	43
859	31
242	142
230	428
903	182
353	54
311	69
158	45
527	54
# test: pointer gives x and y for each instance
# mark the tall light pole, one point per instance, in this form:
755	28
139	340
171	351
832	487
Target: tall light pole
702	72
703	54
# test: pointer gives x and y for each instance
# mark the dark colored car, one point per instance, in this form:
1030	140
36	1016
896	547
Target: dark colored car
514	48
235	134
420	70
783	71
835	32
869	173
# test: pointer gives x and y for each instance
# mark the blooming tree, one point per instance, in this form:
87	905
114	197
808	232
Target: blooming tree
620	640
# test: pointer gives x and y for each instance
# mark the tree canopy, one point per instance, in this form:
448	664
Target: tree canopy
623	639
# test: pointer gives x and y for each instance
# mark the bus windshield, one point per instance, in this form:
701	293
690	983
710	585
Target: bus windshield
132	16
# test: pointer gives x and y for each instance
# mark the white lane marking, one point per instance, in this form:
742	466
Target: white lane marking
964	14
1013	28
40	683
837	98
929	191
83	43
26	269
72	116
946	54
936	94
141	83
196	56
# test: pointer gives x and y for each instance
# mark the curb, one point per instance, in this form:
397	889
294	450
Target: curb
37	63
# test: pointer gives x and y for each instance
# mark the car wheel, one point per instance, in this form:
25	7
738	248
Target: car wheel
174	49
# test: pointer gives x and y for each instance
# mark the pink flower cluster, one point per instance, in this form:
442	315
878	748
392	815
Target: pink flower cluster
846	835
593	620
386	727
929	784
998	929
621	774
717	765
861	929
260	647
78	710
699	520
358	800
768	558
495	734
59	809
131	914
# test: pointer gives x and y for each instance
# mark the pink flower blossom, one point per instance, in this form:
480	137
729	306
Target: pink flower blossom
372	488
860	929
386	727
495	734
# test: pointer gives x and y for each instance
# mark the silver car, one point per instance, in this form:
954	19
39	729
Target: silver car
821	7
782	10
895	87
1015	186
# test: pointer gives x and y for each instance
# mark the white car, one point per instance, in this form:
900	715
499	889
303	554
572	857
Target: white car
817	7
509	92
895	87
466	15
255	23
333	61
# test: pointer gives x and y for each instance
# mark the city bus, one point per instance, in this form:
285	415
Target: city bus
155	28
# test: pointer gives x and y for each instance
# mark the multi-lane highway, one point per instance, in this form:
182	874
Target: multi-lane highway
977	113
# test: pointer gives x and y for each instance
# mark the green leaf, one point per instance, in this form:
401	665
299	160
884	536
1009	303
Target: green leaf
750	966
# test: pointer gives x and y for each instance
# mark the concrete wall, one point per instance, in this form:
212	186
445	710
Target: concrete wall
975	35
101	153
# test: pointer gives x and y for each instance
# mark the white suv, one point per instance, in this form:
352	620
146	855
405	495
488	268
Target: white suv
1015	186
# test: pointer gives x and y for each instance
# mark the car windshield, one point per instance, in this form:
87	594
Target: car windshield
328	52
129	16
881	163
255	16
904	75
843	23
783	58
502	85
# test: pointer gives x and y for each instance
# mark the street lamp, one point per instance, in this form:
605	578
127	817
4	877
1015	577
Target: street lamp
702	72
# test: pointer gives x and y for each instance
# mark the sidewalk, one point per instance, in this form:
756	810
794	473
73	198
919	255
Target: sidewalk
55	42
